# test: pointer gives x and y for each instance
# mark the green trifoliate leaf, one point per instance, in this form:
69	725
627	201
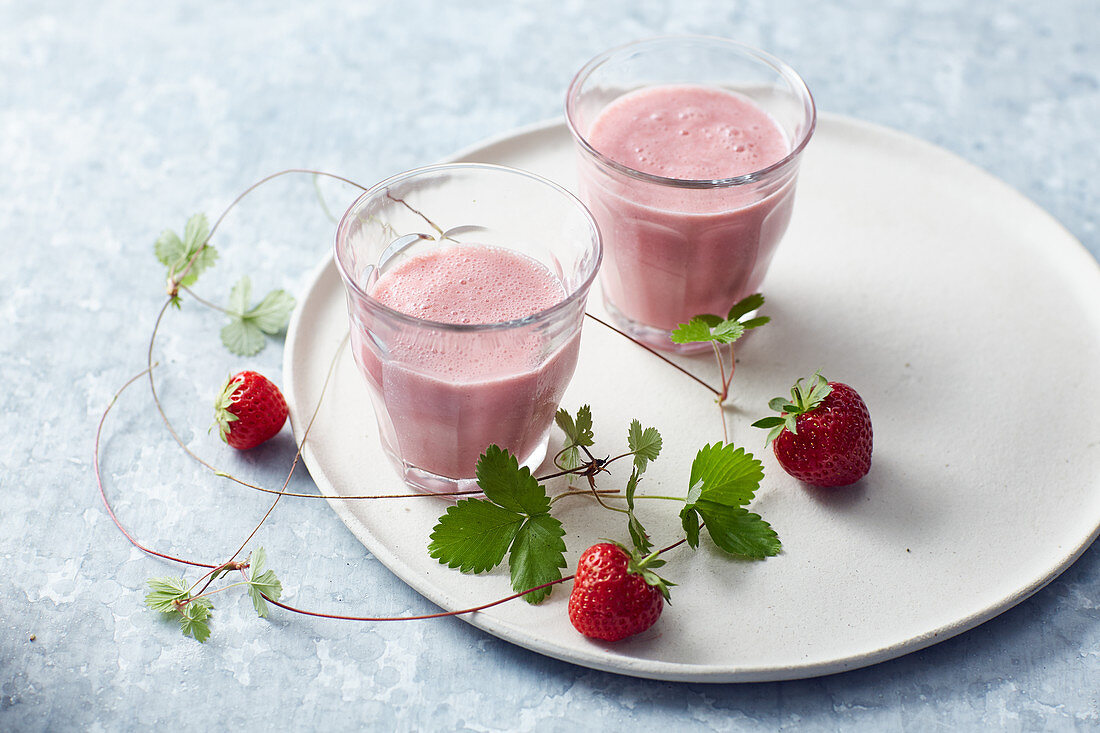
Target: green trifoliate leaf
165	593
537	556
725	474
723	480
175	253
711	328
193	619
644	444
738	531
474	535
508	485
262	582
244	334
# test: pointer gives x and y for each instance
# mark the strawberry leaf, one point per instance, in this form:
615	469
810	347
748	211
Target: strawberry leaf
244	334
172	597
192	253
644	444
711	328
723	479
577	433
262	582
165	593
744	306
508	485
725	474
193	619
474	535
638	534
689	517
537	556
738	531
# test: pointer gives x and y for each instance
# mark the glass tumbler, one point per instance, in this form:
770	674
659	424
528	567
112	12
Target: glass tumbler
680	247
444	392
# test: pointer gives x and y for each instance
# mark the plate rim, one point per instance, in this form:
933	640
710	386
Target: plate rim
678	671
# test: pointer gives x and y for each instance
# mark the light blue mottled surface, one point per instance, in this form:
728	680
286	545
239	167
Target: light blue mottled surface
117	122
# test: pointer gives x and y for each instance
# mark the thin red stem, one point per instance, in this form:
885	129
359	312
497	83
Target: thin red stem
656	353
422	617
103	492
174	285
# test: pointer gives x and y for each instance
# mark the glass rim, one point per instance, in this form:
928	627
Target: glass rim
781	67
570	298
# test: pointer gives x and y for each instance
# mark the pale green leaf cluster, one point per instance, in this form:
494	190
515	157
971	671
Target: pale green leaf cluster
188	257
172	596
244	334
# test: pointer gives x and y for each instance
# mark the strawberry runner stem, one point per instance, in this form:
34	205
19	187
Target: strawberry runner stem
175	284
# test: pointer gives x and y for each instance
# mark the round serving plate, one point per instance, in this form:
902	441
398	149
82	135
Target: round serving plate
965	315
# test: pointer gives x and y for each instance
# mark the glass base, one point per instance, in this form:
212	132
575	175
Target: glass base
432	483
657	338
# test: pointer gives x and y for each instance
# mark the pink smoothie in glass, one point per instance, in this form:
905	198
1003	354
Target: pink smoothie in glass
673	252
449	394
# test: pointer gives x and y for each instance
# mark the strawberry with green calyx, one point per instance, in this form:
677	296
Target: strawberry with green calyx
823	433
616	594
249	410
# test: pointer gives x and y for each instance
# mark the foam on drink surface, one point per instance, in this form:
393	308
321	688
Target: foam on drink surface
469	284
688	132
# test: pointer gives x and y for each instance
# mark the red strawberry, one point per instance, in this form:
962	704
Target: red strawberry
615	595
823	436
249	410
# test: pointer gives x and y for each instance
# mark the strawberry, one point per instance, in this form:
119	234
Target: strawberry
823	434
249	410
615	595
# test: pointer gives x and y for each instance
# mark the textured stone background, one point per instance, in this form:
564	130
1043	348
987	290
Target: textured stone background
120	119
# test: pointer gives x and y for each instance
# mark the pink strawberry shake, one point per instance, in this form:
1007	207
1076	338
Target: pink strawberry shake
673	252
450	393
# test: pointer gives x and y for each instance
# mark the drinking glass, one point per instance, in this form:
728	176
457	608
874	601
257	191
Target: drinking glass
443	392
677	248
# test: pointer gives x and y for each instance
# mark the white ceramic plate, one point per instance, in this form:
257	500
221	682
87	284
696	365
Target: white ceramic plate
967	318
